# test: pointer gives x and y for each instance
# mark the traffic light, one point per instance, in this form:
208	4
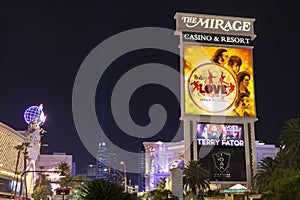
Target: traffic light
63	191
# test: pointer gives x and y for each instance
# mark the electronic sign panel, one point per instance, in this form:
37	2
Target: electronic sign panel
224	148
218	81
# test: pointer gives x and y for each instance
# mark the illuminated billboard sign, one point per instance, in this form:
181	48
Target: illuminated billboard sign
221	148
218	81
220	135
215	24
226	164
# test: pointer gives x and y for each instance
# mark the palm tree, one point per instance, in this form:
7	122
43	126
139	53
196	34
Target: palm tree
25	156
161	193
102	189
76	183
195	177
265	173
64	167
19	148
285	184
289	140
41	192
40	174
65	171
79	180
43	188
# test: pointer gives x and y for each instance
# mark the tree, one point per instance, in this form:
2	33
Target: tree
25	156
279	178
76	183
264	174
24	147
64	167
161	193
285	184
42	188
19	148
195	177
104	190
289	140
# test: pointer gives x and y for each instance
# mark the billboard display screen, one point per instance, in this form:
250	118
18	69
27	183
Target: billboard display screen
225	164
218	81
220	134
221	148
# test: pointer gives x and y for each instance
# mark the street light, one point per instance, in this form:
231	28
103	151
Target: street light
125	177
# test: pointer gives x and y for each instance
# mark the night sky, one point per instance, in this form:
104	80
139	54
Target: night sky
43	44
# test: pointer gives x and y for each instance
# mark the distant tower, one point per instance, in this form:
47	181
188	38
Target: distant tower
91	171
106	163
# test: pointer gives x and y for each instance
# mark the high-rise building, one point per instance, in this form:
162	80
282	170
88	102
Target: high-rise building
106	164
91	171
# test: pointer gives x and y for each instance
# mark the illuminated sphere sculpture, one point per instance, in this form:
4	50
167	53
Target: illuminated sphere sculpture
34	113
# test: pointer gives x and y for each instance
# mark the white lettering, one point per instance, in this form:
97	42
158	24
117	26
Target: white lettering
227	26
211	142
237	143
219	24
197	37
236	40
207	23
246	26
233	128
237	25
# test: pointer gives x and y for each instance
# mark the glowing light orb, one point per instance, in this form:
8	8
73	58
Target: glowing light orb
35	113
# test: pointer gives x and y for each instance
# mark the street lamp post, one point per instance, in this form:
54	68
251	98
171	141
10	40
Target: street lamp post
125	177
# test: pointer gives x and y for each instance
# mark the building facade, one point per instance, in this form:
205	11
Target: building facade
13	145
265	150
50	162
160	157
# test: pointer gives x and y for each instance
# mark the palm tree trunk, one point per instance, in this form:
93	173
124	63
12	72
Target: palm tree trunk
25	165
25	153
16	175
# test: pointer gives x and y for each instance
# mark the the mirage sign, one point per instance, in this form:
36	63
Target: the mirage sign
215	24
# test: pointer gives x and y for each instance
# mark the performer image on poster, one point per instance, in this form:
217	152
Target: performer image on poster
221	57
205	132
241	105
215	131
243	79
235	63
